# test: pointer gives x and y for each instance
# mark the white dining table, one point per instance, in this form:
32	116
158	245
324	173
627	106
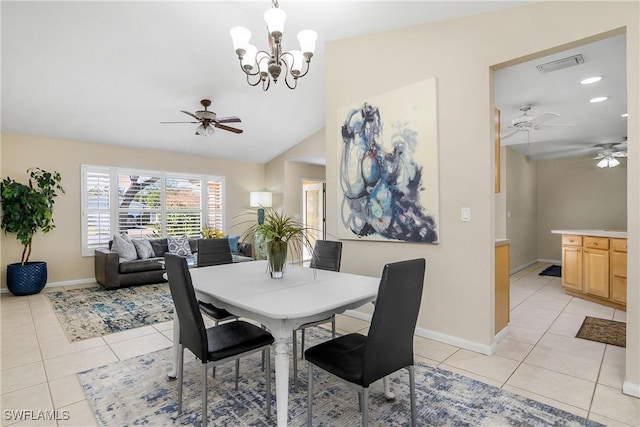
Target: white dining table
282	305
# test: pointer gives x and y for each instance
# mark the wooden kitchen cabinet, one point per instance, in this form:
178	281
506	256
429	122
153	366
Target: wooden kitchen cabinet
572	262
502	284
595	268
618	271
595	263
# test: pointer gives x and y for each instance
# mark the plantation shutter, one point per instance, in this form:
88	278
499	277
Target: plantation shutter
215	203
97	208
183	206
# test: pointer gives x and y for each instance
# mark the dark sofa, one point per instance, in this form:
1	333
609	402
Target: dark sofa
112	272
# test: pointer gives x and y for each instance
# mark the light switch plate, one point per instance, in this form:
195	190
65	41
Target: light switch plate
465	214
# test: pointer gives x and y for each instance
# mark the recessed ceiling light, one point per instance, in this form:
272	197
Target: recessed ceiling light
625	115
590	80
599	99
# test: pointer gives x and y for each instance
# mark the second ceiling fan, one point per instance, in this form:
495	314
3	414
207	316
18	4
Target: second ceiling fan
208	120
526	122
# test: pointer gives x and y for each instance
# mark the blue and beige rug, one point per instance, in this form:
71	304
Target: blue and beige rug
93	312
137	392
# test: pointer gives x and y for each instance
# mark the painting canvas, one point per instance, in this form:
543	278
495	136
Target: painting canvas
388	166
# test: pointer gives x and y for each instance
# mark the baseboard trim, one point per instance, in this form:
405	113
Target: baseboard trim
632	389
61	283
437	336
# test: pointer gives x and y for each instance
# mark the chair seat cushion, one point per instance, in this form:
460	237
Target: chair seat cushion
138	265
213	311
341	357
233	338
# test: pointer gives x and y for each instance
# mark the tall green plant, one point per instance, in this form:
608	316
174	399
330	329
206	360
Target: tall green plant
28	208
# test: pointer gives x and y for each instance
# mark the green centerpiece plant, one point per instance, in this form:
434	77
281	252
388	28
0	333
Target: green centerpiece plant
283	235
27	209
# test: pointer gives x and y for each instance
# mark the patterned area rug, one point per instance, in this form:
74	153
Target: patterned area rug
137	392
603	330
93	312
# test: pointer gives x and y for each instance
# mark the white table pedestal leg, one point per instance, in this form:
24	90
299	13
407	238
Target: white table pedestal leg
388	394
282	379
173	373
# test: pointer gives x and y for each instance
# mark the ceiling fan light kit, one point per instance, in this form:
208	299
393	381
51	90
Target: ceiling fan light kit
270	65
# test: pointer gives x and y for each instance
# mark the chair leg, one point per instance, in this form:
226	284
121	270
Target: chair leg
237	372
310	396
295	360
267	356
412	395
180	377
302	343
204	395
263	352
365	407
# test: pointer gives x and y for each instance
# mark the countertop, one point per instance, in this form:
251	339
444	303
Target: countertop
617	234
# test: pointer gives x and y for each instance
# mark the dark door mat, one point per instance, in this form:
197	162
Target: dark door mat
553	270
603	330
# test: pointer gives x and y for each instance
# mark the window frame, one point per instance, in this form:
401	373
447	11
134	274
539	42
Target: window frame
113	210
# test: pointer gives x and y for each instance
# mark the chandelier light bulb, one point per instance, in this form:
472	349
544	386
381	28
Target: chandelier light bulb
249	59
275	18
240	37
307	39
295	61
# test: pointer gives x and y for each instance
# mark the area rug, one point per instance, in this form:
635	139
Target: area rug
553	270
137	392
603	330
93	312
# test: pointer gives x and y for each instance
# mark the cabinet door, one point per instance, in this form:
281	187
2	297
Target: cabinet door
572	267
596	272
618	277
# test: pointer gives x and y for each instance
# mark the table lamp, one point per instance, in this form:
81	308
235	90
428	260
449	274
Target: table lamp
260	200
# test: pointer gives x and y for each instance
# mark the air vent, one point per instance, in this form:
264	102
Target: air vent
560	64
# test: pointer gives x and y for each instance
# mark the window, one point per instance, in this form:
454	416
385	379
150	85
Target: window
147	204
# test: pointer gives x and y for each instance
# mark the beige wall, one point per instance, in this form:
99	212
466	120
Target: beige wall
61	248
458	301
578	195
521	205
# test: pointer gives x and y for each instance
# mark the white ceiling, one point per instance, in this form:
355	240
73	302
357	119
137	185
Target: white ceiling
561	92
110	72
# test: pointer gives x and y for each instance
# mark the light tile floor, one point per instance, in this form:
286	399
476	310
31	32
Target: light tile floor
539	358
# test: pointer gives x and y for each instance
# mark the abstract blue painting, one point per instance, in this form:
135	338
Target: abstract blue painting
388	166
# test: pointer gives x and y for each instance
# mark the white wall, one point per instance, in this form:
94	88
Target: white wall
458	300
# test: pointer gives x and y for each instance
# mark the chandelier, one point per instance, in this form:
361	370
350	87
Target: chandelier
266	66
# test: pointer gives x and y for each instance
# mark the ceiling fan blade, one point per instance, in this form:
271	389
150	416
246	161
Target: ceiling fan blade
230	119
619	154
544	117
190	114
164	123
508	134
229	128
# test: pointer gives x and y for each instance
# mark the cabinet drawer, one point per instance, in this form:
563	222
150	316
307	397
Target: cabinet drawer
619	245
596	242
570	240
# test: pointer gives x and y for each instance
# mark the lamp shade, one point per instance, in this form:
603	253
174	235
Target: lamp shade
240	37
307	39
260	199
275	18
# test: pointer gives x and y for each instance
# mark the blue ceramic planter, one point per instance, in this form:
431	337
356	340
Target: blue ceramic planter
26	279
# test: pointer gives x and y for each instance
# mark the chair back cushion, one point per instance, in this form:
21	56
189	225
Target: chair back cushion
327	255
389	344
193	333
214	252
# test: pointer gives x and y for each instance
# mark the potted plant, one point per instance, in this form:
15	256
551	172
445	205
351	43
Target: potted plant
280	232
27	209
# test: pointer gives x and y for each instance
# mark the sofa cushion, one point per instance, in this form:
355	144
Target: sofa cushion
125	249
159	246
140	265
233	244
179	246
143	248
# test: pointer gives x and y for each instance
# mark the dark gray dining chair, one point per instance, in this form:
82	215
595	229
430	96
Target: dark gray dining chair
327	255
214	252
212	346
360	360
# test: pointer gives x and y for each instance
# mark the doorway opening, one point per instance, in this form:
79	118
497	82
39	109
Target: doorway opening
313	213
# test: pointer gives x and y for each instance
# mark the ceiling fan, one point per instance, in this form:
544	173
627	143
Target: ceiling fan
607	156
208	120
526	122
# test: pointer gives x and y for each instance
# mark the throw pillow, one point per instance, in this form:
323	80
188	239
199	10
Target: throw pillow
143	248
125	250
179	245
233	244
